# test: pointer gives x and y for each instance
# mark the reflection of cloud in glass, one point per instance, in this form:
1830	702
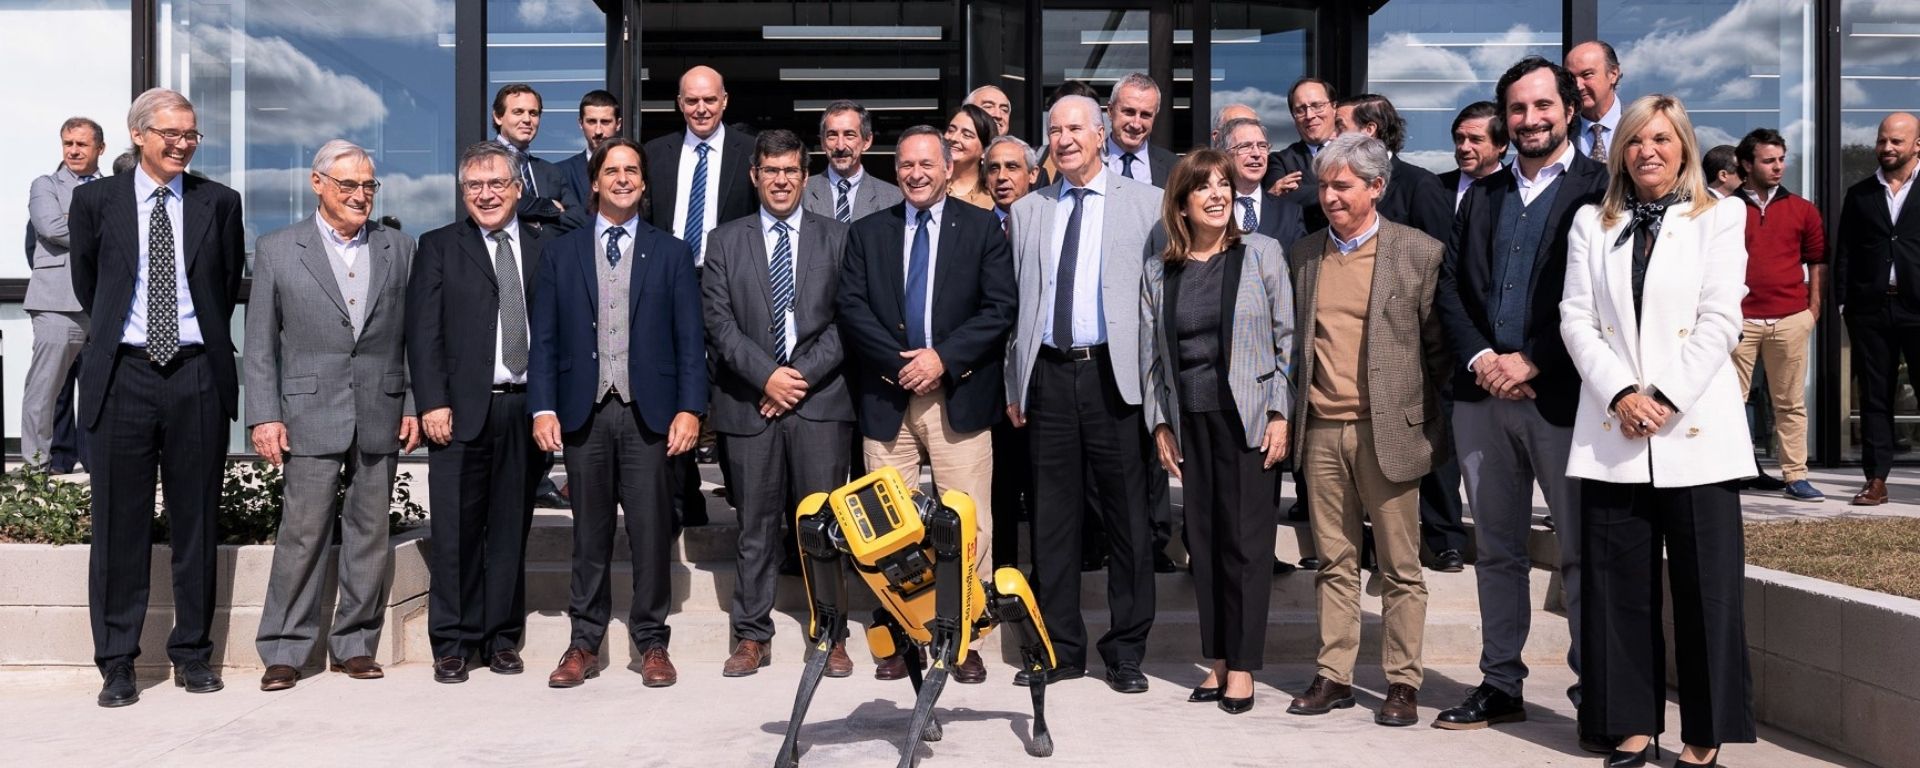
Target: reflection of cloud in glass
421	203
1415	76
1270	106
338	19
1745	40
294	100
1438	161
1865	52
554	14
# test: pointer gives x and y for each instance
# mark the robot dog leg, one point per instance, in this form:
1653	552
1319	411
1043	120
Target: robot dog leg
827	593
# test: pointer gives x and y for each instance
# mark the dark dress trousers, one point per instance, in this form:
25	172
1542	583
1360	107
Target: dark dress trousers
774	461
1883	318
144	418
481	483
616	451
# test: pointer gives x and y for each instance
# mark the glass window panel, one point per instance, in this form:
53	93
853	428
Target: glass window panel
997	47
1258	51
1433	57
560	48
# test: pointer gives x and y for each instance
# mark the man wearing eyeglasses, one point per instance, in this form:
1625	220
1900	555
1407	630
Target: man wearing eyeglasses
327	401
467	348
157	260
1256	210
1290	170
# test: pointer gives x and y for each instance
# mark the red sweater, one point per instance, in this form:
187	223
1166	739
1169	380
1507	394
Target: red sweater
1780	239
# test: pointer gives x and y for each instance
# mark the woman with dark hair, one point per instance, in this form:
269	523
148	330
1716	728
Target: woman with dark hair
969	132
1216	336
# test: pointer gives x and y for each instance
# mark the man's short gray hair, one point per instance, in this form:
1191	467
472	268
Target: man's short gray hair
1223	140
1365	155
140	115
336	150
1092	107
1026	150
1134	80
483	151
846	105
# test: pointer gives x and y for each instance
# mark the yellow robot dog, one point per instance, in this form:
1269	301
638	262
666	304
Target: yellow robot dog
917	557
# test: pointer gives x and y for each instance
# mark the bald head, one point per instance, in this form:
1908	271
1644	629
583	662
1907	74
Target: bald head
1231	112
997	105
1895	146
702	100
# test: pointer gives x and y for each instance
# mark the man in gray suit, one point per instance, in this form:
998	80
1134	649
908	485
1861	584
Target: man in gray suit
780	403
1073	381
327	400
846	191
59	323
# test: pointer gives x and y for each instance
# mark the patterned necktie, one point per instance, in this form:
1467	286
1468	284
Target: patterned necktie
1126	165
613	245
1064	276
163	294
917	260
697	203
843	205
1248	221
1599	152
513	306
526	172
780	272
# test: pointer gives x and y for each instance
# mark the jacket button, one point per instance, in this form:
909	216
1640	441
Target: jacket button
1683	333
1609	330
1606	426
346	324
901	326
1693	432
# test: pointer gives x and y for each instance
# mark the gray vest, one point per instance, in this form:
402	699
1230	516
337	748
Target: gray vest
1517	239
613	315
353	282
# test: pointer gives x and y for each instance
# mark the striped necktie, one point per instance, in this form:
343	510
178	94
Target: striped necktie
697	203
843	203
780	272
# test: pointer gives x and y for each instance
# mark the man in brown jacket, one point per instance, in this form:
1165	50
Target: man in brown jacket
1369	359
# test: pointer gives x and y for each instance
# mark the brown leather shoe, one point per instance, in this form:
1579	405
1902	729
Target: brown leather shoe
279	677
656	669
1322	696
895	667
1875	494
748	657
1402	707
971	671
839	664
360	668
577	666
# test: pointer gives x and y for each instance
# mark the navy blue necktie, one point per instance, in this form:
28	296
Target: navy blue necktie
1064	276
697	204
780	279
917	280
613	245
1248	222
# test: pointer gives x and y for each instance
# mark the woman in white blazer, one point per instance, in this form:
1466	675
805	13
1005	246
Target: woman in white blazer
1651	315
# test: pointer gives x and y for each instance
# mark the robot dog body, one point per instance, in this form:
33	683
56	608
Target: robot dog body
916	555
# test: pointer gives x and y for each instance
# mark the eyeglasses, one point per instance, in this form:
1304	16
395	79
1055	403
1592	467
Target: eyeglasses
1310	107
353	187
172	136
789	172
1250	148
496	186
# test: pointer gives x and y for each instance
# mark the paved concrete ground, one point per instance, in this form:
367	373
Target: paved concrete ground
707	720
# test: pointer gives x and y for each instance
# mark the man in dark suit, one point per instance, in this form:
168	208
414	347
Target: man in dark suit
780	403
545	196
926	360
1245	142
1516	388
1876	266
599	121
1479	147
846	191
619	377
467	350
1132	107
1290	170
157	257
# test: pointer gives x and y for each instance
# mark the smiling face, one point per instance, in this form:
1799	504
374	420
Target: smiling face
1536	120
778	179
80	151
520	119
1473	148
964	140
163	159
490	191
922	170
1247	149
1312	113
702	100
1894	147
619	184
1074	136
1347	201
996	103
1597	79
843	142
1653	158
1008	174
345	211
598	124
1132	113
1209	207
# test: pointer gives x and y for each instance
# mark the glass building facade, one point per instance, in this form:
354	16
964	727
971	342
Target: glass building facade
412	80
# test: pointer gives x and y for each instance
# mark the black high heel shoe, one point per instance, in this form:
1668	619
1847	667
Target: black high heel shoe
1637	758
1203	695
1233	706
1681	762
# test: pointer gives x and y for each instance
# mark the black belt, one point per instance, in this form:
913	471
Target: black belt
183	353
1074	354
509	389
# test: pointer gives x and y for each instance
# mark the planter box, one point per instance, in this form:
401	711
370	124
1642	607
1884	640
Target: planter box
44	619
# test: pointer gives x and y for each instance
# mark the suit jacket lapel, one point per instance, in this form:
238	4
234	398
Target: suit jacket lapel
1229	297
124	211
480	250
763	264
379	264
313	254
893	271
943	268
529	263
1043	234
196	216
642	269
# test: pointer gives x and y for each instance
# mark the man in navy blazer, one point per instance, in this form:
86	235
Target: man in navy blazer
599	121
618	375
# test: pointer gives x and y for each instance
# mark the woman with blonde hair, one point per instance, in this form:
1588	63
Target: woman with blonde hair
1651	315
1216	334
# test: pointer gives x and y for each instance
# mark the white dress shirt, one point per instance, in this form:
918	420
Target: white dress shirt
1142	165
1089	312
853	188
1531	188
349	251
1460	189
521	155
938	210
1608	122
793	241
500	373
135	330
1895	201
689	158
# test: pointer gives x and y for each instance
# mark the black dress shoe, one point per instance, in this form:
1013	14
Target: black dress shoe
450	669
1203	695
1597	743
1763	482
1024	678
550	500
1309	563
1485	705
1091	564
1449	561
118	689
1233	706
506	662
197	677
1647	754
1126	677
1163	564
1281	567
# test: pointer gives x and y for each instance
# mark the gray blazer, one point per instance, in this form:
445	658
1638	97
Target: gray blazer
303	366
872	195
738	307
50	289
1258	301
1132	210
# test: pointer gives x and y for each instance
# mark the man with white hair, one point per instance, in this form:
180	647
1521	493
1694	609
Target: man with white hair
1132	108
996	104
157	257
327	401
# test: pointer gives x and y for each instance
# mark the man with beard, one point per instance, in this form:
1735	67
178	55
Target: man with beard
1514	386
599	121
846	192
1479	147
1876	269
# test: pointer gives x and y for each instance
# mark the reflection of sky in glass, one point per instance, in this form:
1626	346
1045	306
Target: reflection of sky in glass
1879	67
559	48
1259	52
1432	57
